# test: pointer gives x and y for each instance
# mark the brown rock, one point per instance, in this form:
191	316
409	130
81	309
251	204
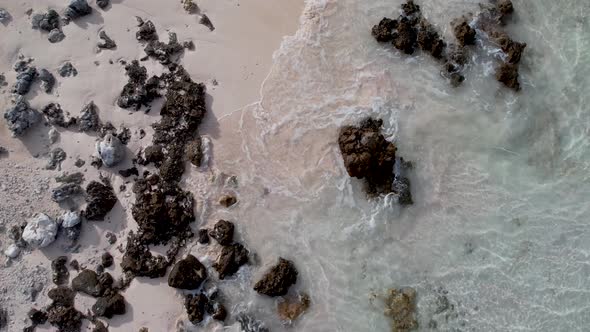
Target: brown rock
195	306
401	307
404	39
223	232
227	200
277	281
290	310
464	33
383	32
230	260
508	74
188	273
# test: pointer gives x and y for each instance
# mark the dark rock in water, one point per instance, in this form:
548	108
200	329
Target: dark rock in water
67	70
107	42
368	155
277	281
89	120
250	324
512	49
106	260
55	36
147	31
227	200
400	306
101	199
508	75
37	317
405	37
216	310
153	154
230	260
223	232
109	305
21	117
164	52
464	33
401	186
188	274
139	260
203	236
77	8
138	92
429	40
505	8
47	22
383	32
65	318
206	22
410	8
60	271
87	283
195	306
102	3
47	80
55	115
456	60
62	296
56	157
24	80
194	151
65	191
128	172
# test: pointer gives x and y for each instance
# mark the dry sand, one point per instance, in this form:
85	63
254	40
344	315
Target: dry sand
237	55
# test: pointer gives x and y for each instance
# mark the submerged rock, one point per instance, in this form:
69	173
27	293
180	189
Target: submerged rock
77	8
204	20
89	120
401	186
194	151
277	281
230	260
512	49
40	231
223	232
464	33
47	22
227	200
47	80
383	32
195	306
60	271
56	157
101	199
188	274
508	75
24	80
21	117
65	191
251	324
55	36
289	310
110	150
67	70
429	40
400	306
107	42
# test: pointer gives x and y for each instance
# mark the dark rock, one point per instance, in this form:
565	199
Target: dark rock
153	154
368	155
56	157
164	52
106	260
223	232
383	32
429	40
410	8
206	22
106	280
5	17
24	80
508	75
62	296
203	236
60	271
188	274
289	310
139	260
37	317
55	115
128	172
101	199
512	49
98	325
401	307
404	39
3	318
194	151
109	305
107	42
147	30
505	8
72	234
216	310
102	3
139	90
76	178
75	265
464	33
89	120
65	318
250	324
111	238
227	200
65	191
195	306
67	70
277	281
95	162
47	21
230	260
401	185
47	80
21	117
55	36
77	8
87	283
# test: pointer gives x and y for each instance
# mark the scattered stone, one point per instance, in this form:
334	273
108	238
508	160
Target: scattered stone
37	317
70	219
106	260
79	163
61	313
107	42
508	75
203	236
24	80
188	274
67	69
87	282
3	80
429	40
75	265
102	3
139	261
72	234
89	120
227	200
60	271
55	115
147	30
164	52
76	178
139	90
195	306
40	231
65	191
223	232
383	32
77	8
400	306
56	157
109	305
12	251
47	22
152	154
111	238
401	186
290	310
277	281
53	135
505	8
110	150
21	117
55	36
464	33
95	162
190	6
194	151
129	171
4	18
216	310
410	8
230	260
101	199
47	80
62	295
206	22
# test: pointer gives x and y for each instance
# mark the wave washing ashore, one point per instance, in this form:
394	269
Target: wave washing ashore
166	205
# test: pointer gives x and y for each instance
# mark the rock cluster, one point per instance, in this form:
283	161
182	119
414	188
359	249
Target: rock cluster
139	91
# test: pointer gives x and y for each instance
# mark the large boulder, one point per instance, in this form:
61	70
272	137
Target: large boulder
188	273
278	279
77	8
110	150
40	231
100	200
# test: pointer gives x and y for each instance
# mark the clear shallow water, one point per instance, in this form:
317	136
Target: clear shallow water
501	220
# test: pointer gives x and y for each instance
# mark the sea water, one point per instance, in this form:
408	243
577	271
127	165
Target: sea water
498	238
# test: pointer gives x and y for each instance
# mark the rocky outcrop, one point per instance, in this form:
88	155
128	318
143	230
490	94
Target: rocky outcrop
61	312
278	279
464	33
87	282
507	74
188	274
139	91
